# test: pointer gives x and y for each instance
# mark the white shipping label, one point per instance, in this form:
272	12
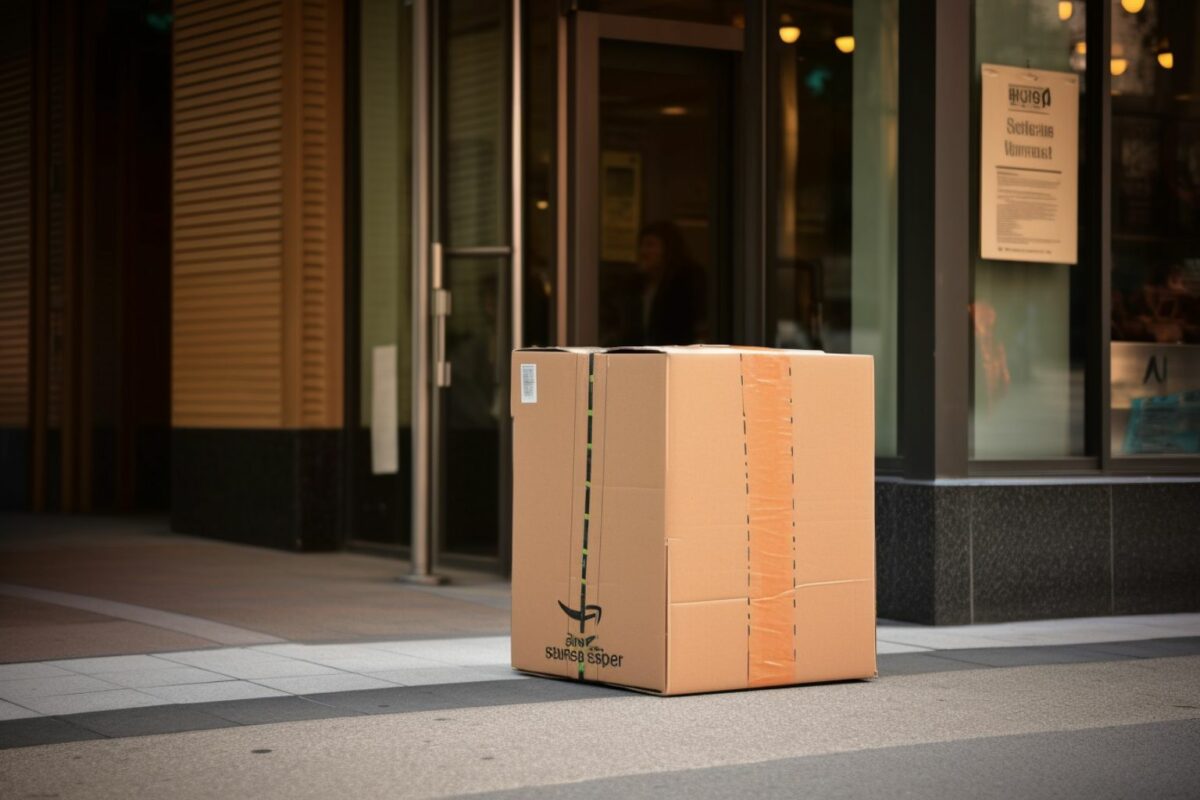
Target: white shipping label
529	383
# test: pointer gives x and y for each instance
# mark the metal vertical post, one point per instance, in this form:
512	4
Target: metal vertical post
422	392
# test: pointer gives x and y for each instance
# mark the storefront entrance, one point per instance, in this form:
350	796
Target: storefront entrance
653	185
643	210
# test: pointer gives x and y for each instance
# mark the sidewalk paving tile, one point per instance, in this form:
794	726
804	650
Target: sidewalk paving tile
94	666
1030	656
113	699
149	721
25	688
169	676
503	673
352	658
884	648
209	692
459	652
429	676
248	664
319	684
919	663
13	672
13	711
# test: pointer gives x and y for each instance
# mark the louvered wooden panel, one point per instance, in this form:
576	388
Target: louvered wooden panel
56	240
228	214
257	262
16	121
321	164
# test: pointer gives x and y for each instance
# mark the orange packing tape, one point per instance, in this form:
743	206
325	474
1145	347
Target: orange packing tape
770	521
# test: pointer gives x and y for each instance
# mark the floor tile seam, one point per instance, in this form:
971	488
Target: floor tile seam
113	688
1008	643
1101	657
294	694
330	663
216	671
61	663
24	707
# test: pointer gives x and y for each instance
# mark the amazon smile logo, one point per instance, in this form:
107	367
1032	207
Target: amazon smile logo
582	615
581	649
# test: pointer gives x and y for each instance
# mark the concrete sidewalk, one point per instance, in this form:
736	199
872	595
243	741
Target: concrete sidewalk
135	662
102	615
74	586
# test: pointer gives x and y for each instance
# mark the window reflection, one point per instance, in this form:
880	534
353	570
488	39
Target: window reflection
1156	229
833	279
1029	321
665	193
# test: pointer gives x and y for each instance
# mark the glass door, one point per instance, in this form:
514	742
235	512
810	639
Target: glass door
653	152
471	311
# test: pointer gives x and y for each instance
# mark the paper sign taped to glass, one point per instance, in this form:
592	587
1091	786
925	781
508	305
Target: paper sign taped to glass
1029	165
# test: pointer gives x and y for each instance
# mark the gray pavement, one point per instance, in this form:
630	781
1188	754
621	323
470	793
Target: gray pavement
763	741
138	663
1155	760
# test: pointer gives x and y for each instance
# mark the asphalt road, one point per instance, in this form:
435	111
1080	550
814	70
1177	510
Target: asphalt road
1112	729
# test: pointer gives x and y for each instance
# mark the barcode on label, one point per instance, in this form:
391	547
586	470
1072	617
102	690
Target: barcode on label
529	383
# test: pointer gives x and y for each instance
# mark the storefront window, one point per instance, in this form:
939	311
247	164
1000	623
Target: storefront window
1028	317
540	197
1156	229
381	476
834	273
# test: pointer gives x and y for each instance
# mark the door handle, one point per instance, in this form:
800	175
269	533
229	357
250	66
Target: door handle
440	307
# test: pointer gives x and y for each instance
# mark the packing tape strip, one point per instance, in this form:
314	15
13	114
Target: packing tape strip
587	502
767	418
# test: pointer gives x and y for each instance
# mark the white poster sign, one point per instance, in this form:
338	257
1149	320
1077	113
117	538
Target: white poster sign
385	444
1029	165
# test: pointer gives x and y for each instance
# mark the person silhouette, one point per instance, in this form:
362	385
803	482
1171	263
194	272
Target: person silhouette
673	288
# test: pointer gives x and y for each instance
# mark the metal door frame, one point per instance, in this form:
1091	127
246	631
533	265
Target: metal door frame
579	80
431	371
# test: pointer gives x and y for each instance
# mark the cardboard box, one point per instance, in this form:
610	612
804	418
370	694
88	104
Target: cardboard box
693	519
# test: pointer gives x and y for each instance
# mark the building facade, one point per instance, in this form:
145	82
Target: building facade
262	261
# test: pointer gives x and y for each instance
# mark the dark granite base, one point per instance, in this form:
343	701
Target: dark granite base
956	554
1156	547
14	469
922	553
276	488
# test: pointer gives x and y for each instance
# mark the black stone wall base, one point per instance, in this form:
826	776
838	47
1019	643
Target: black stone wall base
950	554
275	488
14	469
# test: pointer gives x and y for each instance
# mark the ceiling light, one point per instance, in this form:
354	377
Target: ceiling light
789	33
1117	66
1081	48
1065	9
542	205
1166	59
1133	6
673	111
844	43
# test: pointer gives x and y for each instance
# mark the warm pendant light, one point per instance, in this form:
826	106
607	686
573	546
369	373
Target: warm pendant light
1065	9
1133	6
844	44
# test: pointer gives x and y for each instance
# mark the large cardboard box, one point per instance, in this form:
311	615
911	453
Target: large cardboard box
693	519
